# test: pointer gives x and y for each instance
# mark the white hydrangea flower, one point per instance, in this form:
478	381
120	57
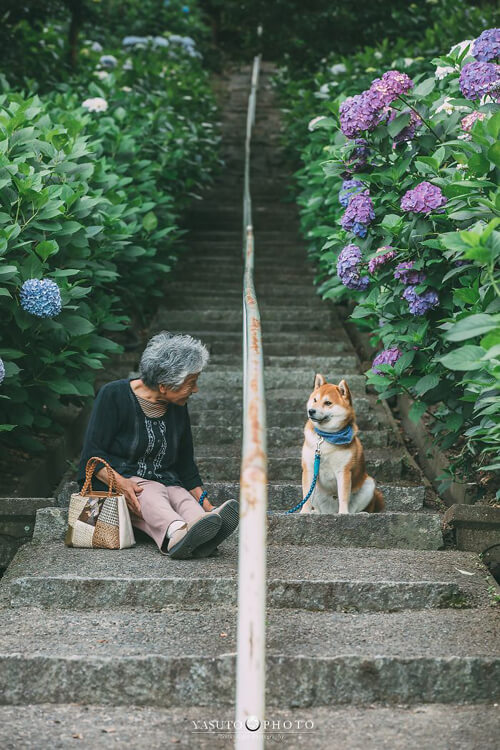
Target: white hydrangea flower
96	47
461	166
127	89
442	71
457	49
446	106
337	69
127	65
314	122
377	55
407	61
101	74
95	104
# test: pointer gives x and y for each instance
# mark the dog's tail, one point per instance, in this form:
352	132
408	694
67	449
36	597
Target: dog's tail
377	504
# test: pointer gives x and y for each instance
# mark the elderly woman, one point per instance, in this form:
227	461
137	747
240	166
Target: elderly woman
141	427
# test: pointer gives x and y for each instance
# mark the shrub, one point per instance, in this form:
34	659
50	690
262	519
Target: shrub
429	258
94	177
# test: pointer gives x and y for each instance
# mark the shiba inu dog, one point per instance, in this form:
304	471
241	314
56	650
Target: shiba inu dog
343	486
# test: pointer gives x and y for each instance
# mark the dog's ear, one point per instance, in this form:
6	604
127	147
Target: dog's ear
319	381
344	390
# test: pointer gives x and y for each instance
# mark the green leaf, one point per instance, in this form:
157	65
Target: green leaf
76	325
465	358
7	427
426	384
150	222
493	125
417	410
424	88
47	248
398	124
494	154
471	326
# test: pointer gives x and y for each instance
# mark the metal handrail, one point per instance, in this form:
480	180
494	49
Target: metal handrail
251	639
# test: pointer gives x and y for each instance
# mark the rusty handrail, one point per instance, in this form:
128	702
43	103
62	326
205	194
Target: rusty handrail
251	640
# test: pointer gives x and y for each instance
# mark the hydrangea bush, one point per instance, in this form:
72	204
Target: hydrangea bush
94	179
413	241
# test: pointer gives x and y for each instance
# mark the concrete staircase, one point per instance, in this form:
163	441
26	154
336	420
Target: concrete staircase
376	635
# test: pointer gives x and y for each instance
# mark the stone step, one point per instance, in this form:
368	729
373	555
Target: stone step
279	347
125	657
319	579
181	321
196	287
280	404
300	317
398	727
276	378
346	361
388	530
209	440
285	495
387	465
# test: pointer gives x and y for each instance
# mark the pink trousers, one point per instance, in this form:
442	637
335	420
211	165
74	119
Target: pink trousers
160	505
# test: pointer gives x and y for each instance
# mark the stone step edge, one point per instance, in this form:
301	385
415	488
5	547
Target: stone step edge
328	595
158	680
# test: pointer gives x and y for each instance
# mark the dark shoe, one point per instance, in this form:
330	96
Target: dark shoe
229	513
185	541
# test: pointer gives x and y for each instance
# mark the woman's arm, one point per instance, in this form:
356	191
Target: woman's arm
196	493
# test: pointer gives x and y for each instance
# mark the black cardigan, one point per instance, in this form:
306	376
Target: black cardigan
117	432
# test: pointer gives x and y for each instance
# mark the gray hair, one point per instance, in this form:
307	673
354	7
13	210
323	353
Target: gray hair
169	358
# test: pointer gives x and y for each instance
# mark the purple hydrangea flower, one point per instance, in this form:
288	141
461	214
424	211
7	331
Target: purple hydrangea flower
2	371
358	159
391	85
405	273
423	199
348	264
385	254
419	304
358	214
468	121
41	297
349	188
387	357
360	112
408	133
480	78
487	46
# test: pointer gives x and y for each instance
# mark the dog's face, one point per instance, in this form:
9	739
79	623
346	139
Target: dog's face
330	406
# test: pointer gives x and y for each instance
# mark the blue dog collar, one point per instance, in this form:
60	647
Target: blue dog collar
342	437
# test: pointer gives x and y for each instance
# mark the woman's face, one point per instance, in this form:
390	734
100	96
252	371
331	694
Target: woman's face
181	395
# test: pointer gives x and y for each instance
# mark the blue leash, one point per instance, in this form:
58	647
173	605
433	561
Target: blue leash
317	459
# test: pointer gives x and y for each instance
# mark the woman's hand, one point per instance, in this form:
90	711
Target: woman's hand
130	490
127	487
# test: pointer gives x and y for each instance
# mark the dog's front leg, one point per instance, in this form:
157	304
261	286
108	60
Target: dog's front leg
307	476
344	489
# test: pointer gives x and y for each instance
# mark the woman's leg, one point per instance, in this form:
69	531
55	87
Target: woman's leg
184	504
157	510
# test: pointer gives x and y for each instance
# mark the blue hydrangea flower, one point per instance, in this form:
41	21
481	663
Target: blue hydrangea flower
41	297
185	8
419	304
108	61
349	188
131	41
487	46
2	371
348	264
358	214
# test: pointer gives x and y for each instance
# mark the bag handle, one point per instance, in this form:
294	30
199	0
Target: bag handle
89	470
